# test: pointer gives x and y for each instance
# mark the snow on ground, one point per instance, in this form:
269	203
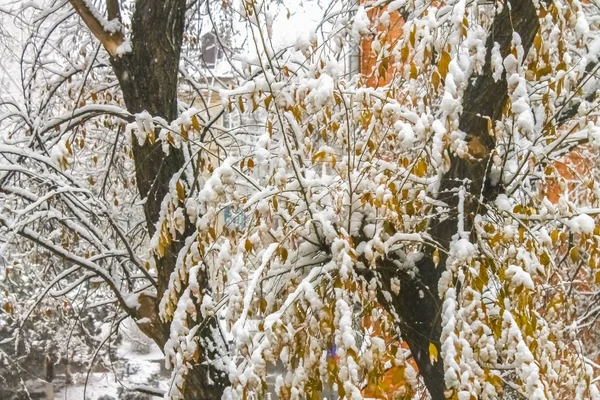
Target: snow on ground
138	362
99	385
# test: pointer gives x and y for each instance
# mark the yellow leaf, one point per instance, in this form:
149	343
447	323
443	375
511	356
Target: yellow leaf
519	209
160	248
241	104
370	145
8	307
196	123
443	64
389	228
537	42
433	353
547	70
574	254
268	101
151	137
338	98
383	67
263	305
410	208
435	80
319	155
404	53
398	376
413	71
365	198
421	168
352	353
545	259
248	246
554	236
180	191
392	187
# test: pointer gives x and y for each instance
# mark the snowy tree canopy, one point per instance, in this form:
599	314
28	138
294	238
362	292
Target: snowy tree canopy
424	227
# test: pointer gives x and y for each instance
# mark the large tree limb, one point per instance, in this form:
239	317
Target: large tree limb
418	304
148	79
111	39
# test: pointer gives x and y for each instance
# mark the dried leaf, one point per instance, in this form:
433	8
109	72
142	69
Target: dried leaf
180	191
196	123
433	353
443	64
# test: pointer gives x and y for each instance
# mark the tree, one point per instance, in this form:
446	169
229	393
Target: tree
74	207
422	197
420	206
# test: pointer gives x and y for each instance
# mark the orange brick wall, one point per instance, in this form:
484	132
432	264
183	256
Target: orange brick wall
390	35
573	167
569	167
390	381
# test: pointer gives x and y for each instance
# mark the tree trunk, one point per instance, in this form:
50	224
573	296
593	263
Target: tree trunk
418	304
148	79
148	76
49	377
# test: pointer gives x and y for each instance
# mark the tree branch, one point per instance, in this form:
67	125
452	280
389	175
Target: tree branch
111	39
113	8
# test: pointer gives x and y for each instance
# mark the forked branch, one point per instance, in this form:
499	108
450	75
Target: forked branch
109	34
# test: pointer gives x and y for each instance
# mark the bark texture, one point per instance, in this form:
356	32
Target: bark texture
418	304
148	76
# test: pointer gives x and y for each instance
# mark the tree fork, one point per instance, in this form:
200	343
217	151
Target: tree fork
418	304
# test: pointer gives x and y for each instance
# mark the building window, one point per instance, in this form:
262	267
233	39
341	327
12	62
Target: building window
231	120
233	219
210	49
